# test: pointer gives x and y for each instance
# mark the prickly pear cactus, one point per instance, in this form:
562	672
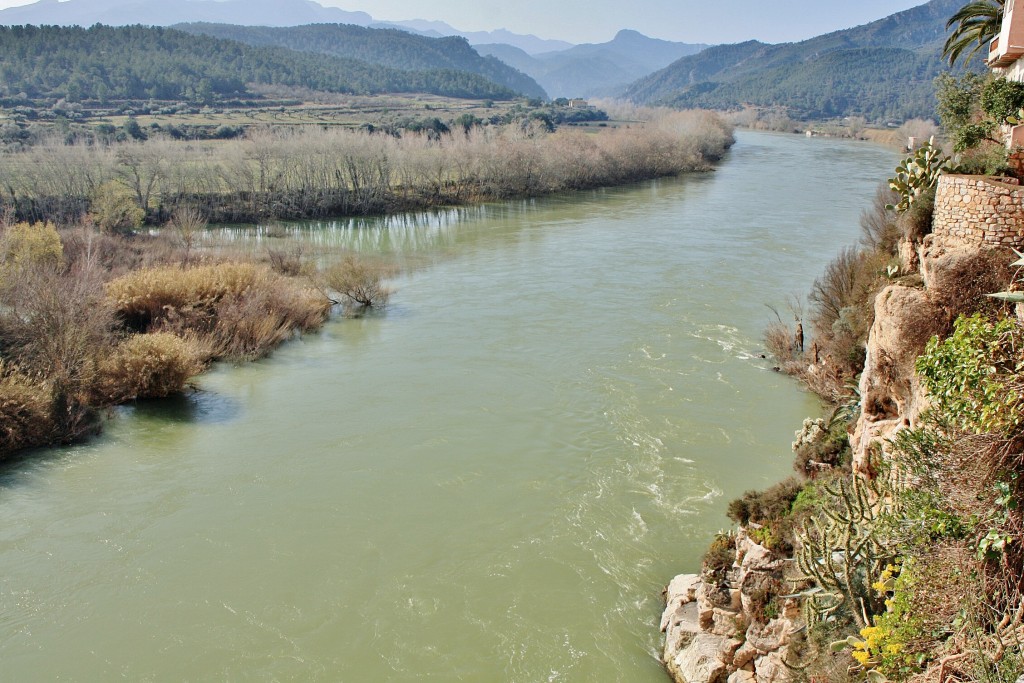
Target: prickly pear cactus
917	173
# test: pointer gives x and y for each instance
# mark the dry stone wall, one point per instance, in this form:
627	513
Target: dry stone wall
979	210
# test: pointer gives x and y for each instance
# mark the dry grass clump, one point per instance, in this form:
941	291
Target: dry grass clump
147	296
26	412
245	309
251	324
151	365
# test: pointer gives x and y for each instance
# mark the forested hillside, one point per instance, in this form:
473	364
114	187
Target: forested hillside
882	70
103	63
386	47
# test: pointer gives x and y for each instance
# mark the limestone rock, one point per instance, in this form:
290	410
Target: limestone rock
768	637
700	660
726	622
745	655
681	591
742	676
771	669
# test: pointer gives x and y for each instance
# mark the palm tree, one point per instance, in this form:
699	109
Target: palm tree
977	23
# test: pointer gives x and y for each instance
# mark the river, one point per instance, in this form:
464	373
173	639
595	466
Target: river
491	480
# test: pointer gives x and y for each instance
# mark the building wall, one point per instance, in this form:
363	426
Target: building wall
980	210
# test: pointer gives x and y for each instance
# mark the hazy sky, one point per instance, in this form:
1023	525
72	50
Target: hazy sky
695	21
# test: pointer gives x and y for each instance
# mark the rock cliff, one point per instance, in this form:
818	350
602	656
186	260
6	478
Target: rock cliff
719	631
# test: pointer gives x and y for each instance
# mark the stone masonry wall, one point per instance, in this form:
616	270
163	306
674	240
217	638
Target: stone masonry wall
979	210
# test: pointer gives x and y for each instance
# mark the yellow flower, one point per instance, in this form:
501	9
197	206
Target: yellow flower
862	657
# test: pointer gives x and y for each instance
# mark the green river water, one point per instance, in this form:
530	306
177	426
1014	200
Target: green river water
492	480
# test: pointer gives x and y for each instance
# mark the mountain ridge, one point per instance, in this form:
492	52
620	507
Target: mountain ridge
863	61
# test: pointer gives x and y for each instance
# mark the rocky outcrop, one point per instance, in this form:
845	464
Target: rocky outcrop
723	632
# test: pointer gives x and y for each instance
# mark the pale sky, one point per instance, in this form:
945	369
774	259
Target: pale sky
578	21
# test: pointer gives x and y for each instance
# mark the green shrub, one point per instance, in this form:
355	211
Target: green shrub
973	375
1002	98
37	243
773	503
720	556
115	209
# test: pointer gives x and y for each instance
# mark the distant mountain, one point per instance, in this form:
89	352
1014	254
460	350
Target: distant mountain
881	70
167	12
530	44
247	12
152	63
392	48
593	69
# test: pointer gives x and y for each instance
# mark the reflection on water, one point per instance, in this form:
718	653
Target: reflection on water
491	481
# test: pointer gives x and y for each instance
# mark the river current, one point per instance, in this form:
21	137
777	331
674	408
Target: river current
491	480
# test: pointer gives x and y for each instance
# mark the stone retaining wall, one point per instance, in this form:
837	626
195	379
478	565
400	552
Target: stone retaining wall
980	210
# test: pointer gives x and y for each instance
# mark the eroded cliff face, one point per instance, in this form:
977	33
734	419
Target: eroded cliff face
954	275
719	631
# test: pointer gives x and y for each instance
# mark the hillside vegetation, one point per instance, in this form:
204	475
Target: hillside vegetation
385	47
103	63
883	70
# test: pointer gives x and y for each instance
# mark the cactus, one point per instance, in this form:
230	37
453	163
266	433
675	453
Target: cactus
840	549
917	173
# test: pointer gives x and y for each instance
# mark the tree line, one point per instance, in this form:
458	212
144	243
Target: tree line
314	172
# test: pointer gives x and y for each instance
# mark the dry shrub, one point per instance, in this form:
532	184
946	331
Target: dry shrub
26	412
359	282
87	248
779	342
250	325
960	286
55	325
879	228
288	261
916	222
188	223
148	366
